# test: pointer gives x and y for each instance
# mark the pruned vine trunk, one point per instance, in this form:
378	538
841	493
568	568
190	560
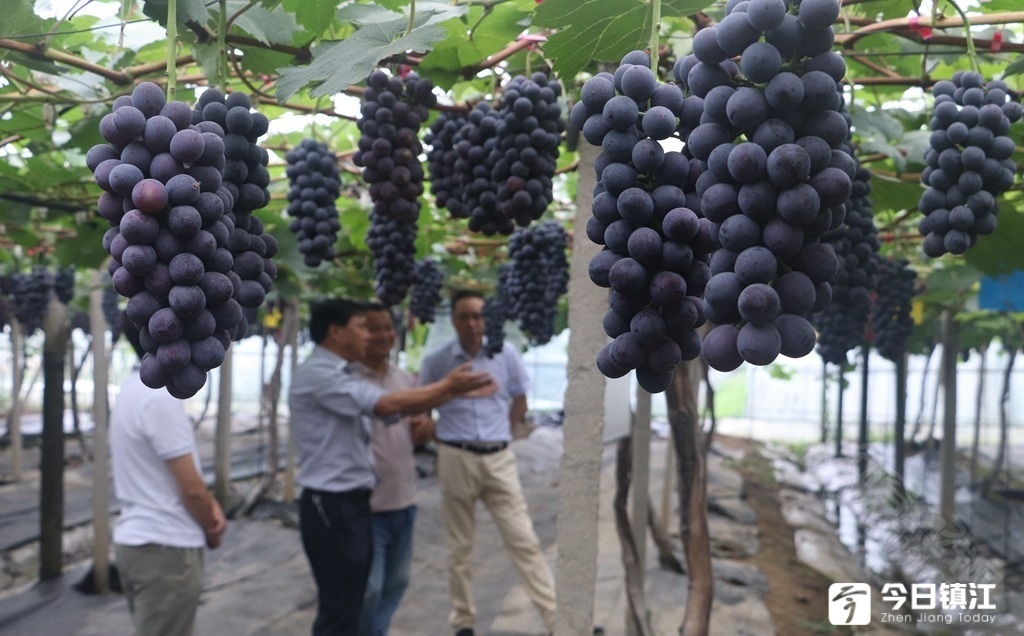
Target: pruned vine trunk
272	400
76	370
17	404
636	599
51	463
924	392
687	437
1004	398
979	402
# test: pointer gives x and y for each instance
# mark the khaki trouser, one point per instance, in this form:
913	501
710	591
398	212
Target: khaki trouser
466	477
162	584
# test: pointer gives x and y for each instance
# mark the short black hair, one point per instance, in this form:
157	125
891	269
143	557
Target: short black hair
461	294
331	311
375	307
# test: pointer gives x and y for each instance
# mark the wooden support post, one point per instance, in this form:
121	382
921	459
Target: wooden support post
580	471
222	470
641	470
947	481
100	451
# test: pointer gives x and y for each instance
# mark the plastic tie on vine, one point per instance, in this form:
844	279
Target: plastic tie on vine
915	25
997	42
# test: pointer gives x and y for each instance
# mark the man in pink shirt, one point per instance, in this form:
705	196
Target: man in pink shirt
393	501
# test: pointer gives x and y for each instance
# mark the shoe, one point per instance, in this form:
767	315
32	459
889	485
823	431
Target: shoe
598	631
465	631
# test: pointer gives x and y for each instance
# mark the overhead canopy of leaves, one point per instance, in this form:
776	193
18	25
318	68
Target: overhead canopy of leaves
589	30
381	34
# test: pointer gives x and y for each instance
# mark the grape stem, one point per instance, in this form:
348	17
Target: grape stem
655	33
412	16
222	46
172	42
971	53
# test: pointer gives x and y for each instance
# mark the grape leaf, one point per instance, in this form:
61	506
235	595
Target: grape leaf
269	28
1015	67
599	30
21	19
494	30
999	252
186	10
337	65
892	194
591	30
313	15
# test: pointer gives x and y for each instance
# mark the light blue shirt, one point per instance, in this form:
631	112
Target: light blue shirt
477	419
331	422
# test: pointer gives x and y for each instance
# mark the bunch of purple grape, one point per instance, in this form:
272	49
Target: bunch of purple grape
426	292
314	185
164	198
246	178
773	174
30	297
655	247
969	162
537	277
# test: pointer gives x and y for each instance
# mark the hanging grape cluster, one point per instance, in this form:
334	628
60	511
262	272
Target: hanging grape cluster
537	277
890	313
170	236
30	297
64	284
768	135
969	162
246	178
843	322
426	292
655	246
112	312
314	185
525	154
393	246
495	166
496	312
390	118
443	166
474	195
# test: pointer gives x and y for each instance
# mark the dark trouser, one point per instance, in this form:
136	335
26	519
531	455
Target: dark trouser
337	535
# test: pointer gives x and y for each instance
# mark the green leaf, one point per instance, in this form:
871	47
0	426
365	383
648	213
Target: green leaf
363	14
337	65
20	19
278	27
186	10
315	16
492	31
85	249
1000	252
892	194
1015	67
591	30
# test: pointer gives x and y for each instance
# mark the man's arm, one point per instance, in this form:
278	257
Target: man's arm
459	381
517	411
197	499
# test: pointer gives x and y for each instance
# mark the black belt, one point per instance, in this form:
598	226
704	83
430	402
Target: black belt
480	448
358	493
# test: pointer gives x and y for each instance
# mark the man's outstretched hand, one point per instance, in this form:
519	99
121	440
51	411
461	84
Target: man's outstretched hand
462	380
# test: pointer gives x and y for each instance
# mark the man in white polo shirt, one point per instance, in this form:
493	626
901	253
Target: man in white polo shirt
167	513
